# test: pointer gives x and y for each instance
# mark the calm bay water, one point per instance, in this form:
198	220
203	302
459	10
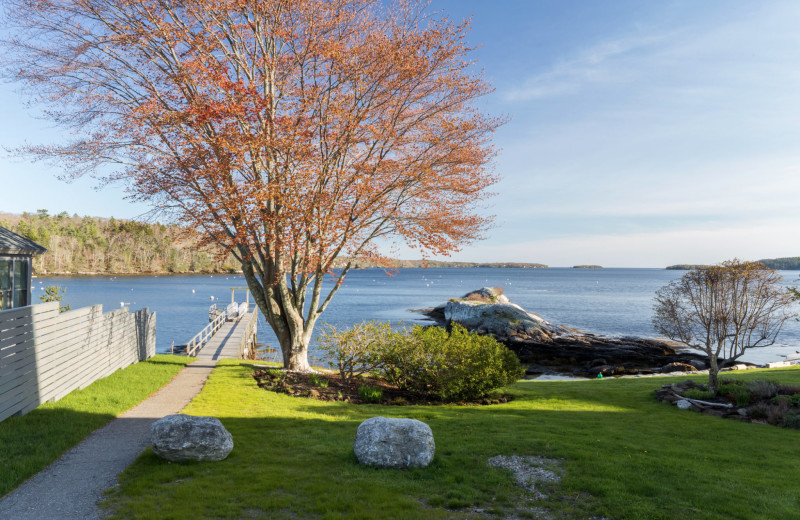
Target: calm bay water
613	302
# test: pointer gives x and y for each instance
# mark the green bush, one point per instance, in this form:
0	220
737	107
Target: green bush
426	361
739	392
459	365
696	393
790	400
370	394
356	351
791	420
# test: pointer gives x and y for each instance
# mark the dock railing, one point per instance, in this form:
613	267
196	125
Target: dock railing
249	337
202	337
214	311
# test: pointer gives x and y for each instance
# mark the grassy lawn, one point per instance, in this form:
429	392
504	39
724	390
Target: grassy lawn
31	442
625	456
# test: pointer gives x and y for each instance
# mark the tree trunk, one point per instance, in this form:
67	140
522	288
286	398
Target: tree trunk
713	374
295	353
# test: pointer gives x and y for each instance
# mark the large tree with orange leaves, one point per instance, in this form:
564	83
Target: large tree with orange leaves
291	132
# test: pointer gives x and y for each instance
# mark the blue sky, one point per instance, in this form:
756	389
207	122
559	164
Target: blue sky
642	133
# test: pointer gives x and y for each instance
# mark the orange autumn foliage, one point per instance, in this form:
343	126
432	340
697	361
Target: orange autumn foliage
289	132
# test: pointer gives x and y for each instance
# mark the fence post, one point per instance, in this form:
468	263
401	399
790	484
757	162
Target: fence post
146	333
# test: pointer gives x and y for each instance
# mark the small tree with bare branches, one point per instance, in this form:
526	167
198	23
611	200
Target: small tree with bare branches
723	310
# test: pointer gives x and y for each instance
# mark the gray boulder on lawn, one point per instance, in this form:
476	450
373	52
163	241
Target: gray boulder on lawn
179	438
394	443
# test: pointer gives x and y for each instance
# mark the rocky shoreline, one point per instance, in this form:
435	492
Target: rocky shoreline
552	349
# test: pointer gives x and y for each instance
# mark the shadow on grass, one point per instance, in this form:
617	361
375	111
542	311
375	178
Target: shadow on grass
33	441
304	467
624	455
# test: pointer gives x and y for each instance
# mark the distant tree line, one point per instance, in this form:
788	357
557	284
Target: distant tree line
783	264
78	244
791	263
82	245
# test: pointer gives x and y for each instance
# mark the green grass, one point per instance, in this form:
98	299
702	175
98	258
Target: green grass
625	456
31	442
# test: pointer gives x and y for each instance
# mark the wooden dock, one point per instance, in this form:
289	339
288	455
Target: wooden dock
230	334
226	341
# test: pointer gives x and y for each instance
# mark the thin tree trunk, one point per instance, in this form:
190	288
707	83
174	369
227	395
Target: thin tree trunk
713	375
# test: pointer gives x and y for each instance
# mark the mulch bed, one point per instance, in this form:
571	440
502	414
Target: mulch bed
330	387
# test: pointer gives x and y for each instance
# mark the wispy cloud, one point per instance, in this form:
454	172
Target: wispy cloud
700	244
589	66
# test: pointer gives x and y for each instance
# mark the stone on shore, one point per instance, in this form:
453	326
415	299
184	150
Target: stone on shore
488	311
179	438
544	346
394	443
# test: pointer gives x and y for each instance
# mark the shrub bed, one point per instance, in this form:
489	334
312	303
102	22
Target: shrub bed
365	390
421	364
758	401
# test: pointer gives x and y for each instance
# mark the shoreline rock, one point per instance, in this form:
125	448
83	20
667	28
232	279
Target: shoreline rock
549	348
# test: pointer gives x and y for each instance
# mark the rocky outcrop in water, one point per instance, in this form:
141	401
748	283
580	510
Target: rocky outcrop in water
546	347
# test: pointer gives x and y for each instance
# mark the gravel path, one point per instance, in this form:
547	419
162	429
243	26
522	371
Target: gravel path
70	488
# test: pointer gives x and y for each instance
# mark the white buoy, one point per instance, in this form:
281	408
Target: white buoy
212	298
122	304
192	291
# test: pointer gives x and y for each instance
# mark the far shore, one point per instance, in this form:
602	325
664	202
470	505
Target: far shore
89	274
152	273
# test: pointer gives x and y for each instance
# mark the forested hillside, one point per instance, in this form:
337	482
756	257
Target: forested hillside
791	263
784	264
87	245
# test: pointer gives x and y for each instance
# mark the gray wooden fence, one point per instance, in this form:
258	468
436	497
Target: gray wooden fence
44	354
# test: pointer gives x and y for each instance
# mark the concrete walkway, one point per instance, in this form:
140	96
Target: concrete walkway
70	488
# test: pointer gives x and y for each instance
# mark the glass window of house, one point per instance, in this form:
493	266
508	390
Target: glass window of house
5	284
20	283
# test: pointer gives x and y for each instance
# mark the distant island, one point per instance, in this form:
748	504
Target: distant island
587	266
403	264
790	263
